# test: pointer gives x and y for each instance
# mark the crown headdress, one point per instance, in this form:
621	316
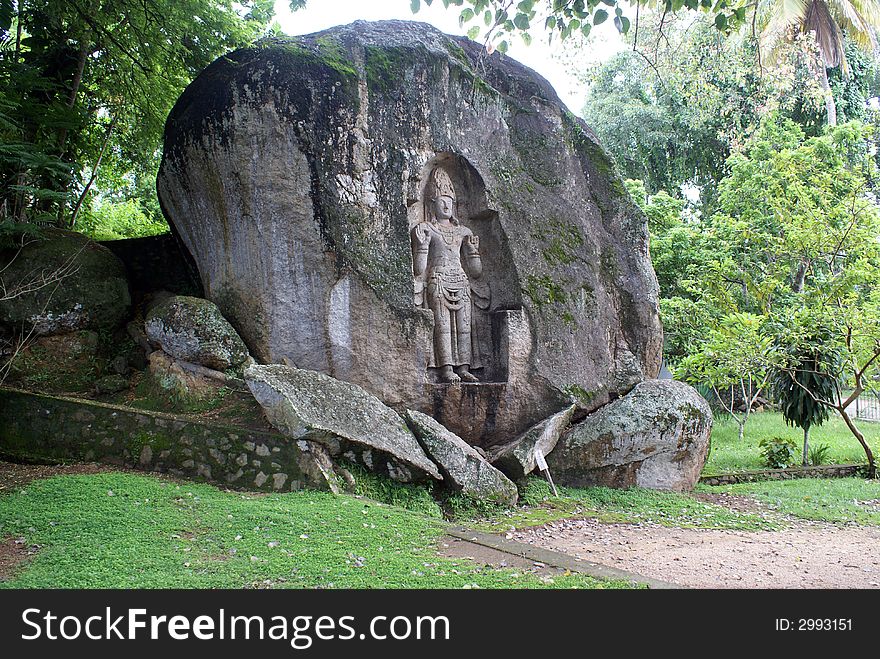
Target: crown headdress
441	184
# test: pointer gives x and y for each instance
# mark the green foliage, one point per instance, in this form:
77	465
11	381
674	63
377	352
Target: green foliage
778	452
798	386
673	118
116	530
730	454
501	20
109	220
819	454
834	500
417	498
85	90
735	362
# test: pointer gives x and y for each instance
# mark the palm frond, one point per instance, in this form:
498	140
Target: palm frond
859	18
827	32
785	16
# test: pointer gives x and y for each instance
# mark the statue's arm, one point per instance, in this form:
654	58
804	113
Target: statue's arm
421	243
470	247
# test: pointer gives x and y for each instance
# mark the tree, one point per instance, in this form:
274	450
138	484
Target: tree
801	248
826	20
83	85
851	333
672	110
796	389
787	212
735	363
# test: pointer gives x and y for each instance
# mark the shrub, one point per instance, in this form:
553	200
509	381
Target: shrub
778	452
819	454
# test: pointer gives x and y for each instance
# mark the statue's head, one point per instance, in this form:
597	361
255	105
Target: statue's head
440	197
443	207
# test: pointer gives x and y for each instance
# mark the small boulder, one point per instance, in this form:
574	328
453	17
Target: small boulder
656	436
517	458
462	466
111	384
349	421
70	283
183	384
194	330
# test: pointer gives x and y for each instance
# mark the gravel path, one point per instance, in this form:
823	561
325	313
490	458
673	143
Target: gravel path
805	555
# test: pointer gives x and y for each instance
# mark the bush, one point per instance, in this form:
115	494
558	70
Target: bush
111	220
819	454
778	452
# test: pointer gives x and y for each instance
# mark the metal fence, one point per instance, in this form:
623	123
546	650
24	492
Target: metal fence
867	406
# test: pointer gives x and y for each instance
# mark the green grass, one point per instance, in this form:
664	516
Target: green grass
117	530
609	505
838	500
729	454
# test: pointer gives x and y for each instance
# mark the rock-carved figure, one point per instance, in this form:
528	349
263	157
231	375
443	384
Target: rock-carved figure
448	270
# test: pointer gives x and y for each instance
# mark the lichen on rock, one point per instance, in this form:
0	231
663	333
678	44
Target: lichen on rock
464	469
657	436
194	330
349	421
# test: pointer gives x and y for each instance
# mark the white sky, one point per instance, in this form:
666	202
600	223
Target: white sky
321	14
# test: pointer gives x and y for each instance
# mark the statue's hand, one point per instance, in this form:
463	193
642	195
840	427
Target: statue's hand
422	234
474	241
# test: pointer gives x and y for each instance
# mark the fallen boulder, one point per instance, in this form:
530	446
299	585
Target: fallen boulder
350	422
463	467
194	330
66	282
517	458
656	436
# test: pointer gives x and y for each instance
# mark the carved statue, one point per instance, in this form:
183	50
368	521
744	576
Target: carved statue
448	270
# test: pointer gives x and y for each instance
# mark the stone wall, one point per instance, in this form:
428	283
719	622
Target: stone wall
37	427
819	471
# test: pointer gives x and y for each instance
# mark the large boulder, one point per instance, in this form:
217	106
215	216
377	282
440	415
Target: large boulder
657	436
298	171
194	330
69	283
350	422
464	469
518	458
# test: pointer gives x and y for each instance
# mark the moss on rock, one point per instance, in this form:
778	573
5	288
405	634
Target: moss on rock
69	282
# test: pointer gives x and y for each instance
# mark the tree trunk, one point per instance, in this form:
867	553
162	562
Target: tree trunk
742	429
830	107
79	202
872	469
799	277
74	90
806	446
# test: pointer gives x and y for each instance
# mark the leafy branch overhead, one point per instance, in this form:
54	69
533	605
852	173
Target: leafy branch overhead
502	19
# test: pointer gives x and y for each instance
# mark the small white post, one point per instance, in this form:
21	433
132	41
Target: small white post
542	465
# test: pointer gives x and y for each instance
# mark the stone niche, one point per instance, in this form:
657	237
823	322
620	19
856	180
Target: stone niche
295	172
501	295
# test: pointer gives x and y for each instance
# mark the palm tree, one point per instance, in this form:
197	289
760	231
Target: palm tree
827	20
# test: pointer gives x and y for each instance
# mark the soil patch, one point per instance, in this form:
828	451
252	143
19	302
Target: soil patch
805	555
14	553
15	476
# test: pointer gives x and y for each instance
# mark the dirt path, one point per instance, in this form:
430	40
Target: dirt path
14	476
805	555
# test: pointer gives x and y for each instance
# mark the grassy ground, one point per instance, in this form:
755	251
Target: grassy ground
837	500
729	454
120	530
608	505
